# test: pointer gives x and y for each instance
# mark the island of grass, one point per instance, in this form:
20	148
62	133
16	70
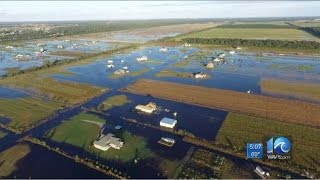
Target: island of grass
23	113
131	73
238	129
10	158
78	132
172	73
299	89
69	53
181	63
118	100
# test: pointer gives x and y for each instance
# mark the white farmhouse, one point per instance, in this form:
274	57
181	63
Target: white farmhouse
106	141
149	108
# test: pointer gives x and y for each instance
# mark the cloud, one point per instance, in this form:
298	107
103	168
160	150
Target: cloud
111	10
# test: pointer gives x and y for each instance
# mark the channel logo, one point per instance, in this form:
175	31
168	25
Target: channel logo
278	147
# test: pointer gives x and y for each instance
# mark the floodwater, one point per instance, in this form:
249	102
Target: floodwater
32	58
11	93
241	72
41	163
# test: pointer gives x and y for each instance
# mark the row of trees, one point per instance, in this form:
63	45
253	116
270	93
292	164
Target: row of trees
312	30
255	42
75	28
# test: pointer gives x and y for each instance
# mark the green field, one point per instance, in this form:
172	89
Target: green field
25	112
10	157
82	134
239	129
77	132
118	100
291	88
251	33
258	25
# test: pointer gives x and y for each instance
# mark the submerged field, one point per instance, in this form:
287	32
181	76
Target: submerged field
269	107
253	129
10	157
23	113
309	91
251	33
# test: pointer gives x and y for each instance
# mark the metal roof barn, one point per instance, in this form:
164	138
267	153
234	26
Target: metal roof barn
168	122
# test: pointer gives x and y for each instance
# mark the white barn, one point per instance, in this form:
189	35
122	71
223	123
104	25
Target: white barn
168	122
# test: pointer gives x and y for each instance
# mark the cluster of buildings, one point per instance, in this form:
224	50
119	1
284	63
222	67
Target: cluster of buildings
151	108
124	69
142	59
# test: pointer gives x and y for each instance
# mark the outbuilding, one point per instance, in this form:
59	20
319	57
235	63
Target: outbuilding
168	122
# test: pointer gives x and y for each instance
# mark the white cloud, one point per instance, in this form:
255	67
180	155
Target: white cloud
104	10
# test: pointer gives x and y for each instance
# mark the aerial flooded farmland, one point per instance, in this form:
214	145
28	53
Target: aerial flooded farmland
160	99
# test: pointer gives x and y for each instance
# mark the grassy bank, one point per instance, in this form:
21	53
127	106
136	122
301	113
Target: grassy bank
118	100
253	129
263	106
24	113
82	134
10	158
297	89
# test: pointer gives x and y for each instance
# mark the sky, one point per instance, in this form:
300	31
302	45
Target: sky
114	10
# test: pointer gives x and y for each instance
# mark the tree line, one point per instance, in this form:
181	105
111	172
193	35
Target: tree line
255	42
312	30
93	27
